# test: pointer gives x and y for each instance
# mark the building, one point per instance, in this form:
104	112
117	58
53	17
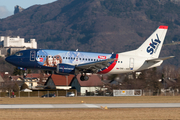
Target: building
59	82
93	85
8	41
33	81
1	81
10	45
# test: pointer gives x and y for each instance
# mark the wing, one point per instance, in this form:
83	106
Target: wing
93	67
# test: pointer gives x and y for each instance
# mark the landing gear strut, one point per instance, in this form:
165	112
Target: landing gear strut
84	77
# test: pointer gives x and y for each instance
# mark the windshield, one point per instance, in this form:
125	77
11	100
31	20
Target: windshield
19	54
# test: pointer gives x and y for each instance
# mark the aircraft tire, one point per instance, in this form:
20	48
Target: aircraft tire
86	78
82	78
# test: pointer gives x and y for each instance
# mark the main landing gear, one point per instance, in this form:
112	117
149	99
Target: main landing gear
84	77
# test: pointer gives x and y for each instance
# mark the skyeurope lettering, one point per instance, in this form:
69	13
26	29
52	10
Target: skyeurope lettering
153	46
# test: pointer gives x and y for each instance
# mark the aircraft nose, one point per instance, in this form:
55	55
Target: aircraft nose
9	59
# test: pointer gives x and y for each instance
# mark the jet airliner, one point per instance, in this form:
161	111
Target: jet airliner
75	62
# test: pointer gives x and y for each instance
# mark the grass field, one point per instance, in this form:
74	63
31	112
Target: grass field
76	100
91	114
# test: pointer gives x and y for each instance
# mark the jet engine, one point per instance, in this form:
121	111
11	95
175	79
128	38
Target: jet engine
65	68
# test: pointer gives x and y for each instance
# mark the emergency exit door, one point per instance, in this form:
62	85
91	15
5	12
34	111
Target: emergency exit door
32	55
131	63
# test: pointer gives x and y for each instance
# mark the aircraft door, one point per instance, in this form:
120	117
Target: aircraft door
131	63
32	55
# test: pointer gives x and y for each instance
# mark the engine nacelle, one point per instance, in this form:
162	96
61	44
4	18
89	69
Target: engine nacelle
65	68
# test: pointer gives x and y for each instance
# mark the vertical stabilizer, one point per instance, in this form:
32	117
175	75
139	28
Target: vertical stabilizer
152	46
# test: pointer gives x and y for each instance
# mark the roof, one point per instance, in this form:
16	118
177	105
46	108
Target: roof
16	77
36	75
1	79
94	81
33	75
26	90
60	80
2	74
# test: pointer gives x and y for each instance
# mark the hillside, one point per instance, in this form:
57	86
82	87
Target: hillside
96	25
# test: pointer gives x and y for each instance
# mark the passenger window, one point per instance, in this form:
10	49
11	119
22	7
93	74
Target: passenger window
79	58
63	57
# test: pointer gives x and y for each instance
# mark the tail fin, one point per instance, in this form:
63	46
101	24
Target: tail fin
152	46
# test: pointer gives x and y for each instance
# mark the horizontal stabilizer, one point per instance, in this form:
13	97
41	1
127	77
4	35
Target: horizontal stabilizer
160	59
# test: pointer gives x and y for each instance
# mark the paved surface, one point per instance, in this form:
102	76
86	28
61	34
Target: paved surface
137	105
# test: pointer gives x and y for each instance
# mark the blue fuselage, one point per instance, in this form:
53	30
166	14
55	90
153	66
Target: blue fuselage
49	59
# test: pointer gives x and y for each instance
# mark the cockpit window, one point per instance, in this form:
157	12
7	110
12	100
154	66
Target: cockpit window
19	54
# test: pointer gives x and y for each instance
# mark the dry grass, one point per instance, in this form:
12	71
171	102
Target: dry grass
76	100
91	114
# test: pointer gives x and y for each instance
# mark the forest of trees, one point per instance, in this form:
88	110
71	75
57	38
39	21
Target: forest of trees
152	79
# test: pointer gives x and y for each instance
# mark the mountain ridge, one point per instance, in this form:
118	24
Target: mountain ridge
95	25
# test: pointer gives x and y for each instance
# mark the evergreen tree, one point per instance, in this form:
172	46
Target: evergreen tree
24	86
18	71
15	87
112	77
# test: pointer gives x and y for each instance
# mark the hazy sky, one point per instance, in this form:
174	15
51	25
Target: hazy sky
7	6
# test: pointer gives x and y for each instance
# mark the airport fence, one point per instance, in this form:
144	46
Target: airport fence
38	93
139	92
160	93
136	92
59	93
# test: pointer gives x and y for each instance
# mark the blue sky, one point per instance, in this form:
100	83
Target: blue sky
7	6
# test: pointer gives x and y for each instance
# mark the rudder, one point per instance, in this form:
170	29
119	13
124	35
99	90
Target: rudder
152	46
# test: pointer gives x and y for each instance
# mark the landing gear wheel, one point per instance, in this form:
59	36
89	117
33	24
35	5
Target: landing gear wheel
84	78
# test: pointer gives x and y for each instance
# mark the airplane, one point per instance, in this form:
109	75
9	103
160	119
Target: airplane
74	62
